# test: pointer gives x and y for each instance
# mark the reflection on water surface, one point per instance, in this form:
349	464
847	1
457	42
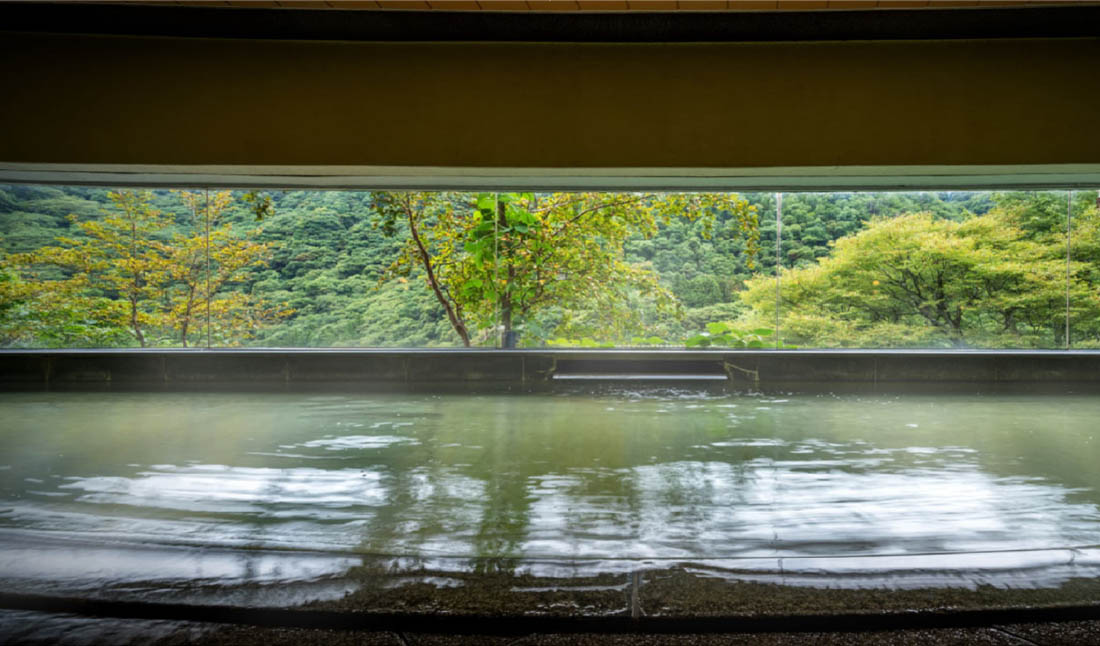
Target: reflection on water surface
617	476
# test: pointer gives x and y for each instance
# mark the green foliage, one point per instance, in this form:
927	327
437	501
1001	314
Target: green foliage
116	267
584	342
259	203
725	335
332	262
203	265
528	262
916	280
717	335
31	316
125	276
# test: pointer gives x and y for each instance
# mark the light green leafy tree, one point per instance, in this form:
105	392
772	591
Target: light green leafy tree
916	280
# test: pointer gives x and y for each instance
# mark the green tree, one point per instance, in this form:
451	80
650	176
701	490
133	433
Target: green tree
501	259
1085	308
203	263
916	280
56	314
117	258
131	275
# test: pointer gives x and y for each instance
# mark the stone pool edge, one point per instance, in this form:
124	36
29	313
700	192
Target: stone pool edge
549	369
440	621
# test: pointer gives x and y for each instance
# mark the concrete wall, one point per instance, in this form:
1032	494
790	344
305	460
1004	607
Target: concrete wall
142	100
535	370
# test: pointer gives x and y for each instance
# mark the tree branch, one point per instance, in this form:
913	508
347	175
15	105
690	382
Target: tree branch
458	325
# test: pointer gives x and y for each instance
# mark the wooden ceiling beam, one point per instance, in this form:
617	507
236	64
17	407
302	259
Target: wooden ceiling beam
572	21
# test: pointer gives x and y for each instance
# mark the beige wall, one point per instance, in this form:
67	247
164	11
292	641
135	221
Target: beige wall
124	100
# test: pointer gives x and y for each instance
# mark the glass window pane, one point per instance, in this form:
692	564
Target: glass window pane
1084	269
92	267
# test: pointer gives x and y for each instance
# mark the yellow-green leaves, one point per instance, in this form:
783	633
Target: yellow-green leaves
135	275
204	265
916	280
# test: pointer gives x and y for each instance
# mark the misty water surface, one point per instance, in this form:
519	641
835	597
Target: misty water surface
657	475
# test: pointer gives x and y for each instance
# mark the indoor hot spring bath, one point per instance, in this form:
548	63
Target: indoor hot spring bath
618	503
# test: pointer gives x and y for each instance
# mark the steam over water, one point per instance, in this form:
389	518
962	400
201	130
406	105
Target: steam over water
151	490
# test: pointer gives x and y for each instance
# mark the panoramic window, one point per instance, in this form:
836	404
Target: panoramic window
96	267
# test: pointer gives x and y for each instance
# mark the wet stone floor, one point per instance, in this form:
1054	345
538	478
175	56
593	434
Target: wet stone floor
34	629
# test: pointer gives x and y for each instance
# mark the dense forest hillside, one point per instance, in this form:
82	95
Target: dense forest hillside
318	270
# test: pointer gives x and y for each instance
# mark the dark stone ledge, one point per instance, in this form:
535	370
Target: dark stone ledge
547	369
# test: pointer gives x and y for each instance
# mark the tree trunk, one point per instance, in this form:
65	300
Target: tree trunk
456	321
134	321
186	325
136	283
507	336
